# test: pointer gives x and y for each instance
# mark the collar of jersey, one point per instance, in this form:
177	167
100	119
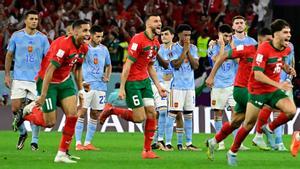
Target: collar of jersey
271	43
148	36
74	42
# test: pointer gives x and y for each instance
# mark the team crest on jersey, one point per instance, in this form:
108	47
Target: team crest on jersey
96	61
30	49
176	104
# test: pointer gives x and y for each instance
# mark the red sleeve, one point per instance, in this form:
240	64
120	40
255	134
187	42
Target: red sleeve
59	53
260	60
134	48
83	51
241	51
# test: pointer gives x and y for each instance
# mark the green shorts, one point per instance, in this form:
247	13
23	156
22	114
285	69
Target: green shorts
136	91
240	95
259	100
55	93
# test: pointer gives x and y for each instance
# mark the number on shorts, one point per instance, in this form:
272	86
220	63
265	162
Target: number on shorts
49	104
102	99
136	100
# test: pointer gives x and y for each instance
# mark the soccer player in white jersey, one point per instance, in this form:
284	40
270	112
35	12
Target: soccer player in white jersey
96	73
222	91
26	47
184	61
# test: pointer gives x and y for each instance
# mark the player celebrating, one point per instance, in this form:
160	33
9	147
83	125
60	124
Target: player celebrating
184	61
264	86
246	55
54	84
96	73
135	83
222	90
28	46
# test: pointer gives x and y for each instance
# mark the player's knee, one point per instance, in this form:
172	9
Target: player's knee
249	124
138	119
291	111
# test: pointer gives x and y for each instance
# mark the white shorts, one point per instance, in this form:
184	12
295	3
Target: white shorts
23	89
182	100
159	102
221	97
94	99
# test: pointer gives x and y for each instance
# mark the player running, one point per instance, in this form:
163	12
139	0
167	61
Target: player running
55	85
246	55
96	73
136	85
264	86
27	46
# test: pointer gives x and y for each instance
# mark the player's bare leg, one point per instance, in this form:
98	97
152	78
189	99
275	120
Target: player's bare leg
70	110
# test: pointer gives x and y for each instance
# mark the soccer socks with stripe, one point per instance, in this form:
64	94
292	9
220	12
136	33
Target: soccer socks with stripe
263	117
150	126
188	128
281	119
78	130
91	129
35	133
161	125
239	138
36	117
224	132
125	114
67	133
179	132
169	127
22	129
278	134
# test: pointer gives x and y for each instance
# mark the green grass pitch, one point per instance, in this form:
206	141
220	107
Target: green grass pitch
123	150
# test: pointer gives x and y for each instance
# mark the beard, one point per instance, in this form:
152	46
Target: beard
153	30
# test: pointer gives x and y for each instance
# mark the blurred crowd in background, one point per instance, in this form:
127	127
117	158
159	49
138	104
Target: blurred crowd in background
121	19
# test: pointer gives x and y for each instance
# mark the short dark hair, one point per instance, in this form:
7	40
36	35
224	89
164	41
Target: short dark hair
31	12
78	23
96	28
264	32
149	15
278	25
183	27
225	28
168	28
238	17
69	23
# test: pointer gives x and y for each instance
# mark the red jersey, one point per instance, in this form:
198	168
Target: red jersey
269	60
246	55
142	50
63	53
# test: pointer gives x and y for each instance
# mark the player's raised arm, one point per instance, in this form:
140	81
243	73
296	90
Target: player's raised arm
193	57
162	62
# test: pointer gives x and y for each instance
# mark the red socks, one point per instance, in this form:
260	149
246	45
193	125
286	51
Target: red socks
239	138
263	117
36	117
150	127
281	119
67	133
123	113
224	132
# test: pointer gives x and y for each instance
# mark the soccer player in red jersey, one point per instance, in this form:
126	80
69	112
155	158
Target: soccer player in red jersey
136	85
54	84
264	87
